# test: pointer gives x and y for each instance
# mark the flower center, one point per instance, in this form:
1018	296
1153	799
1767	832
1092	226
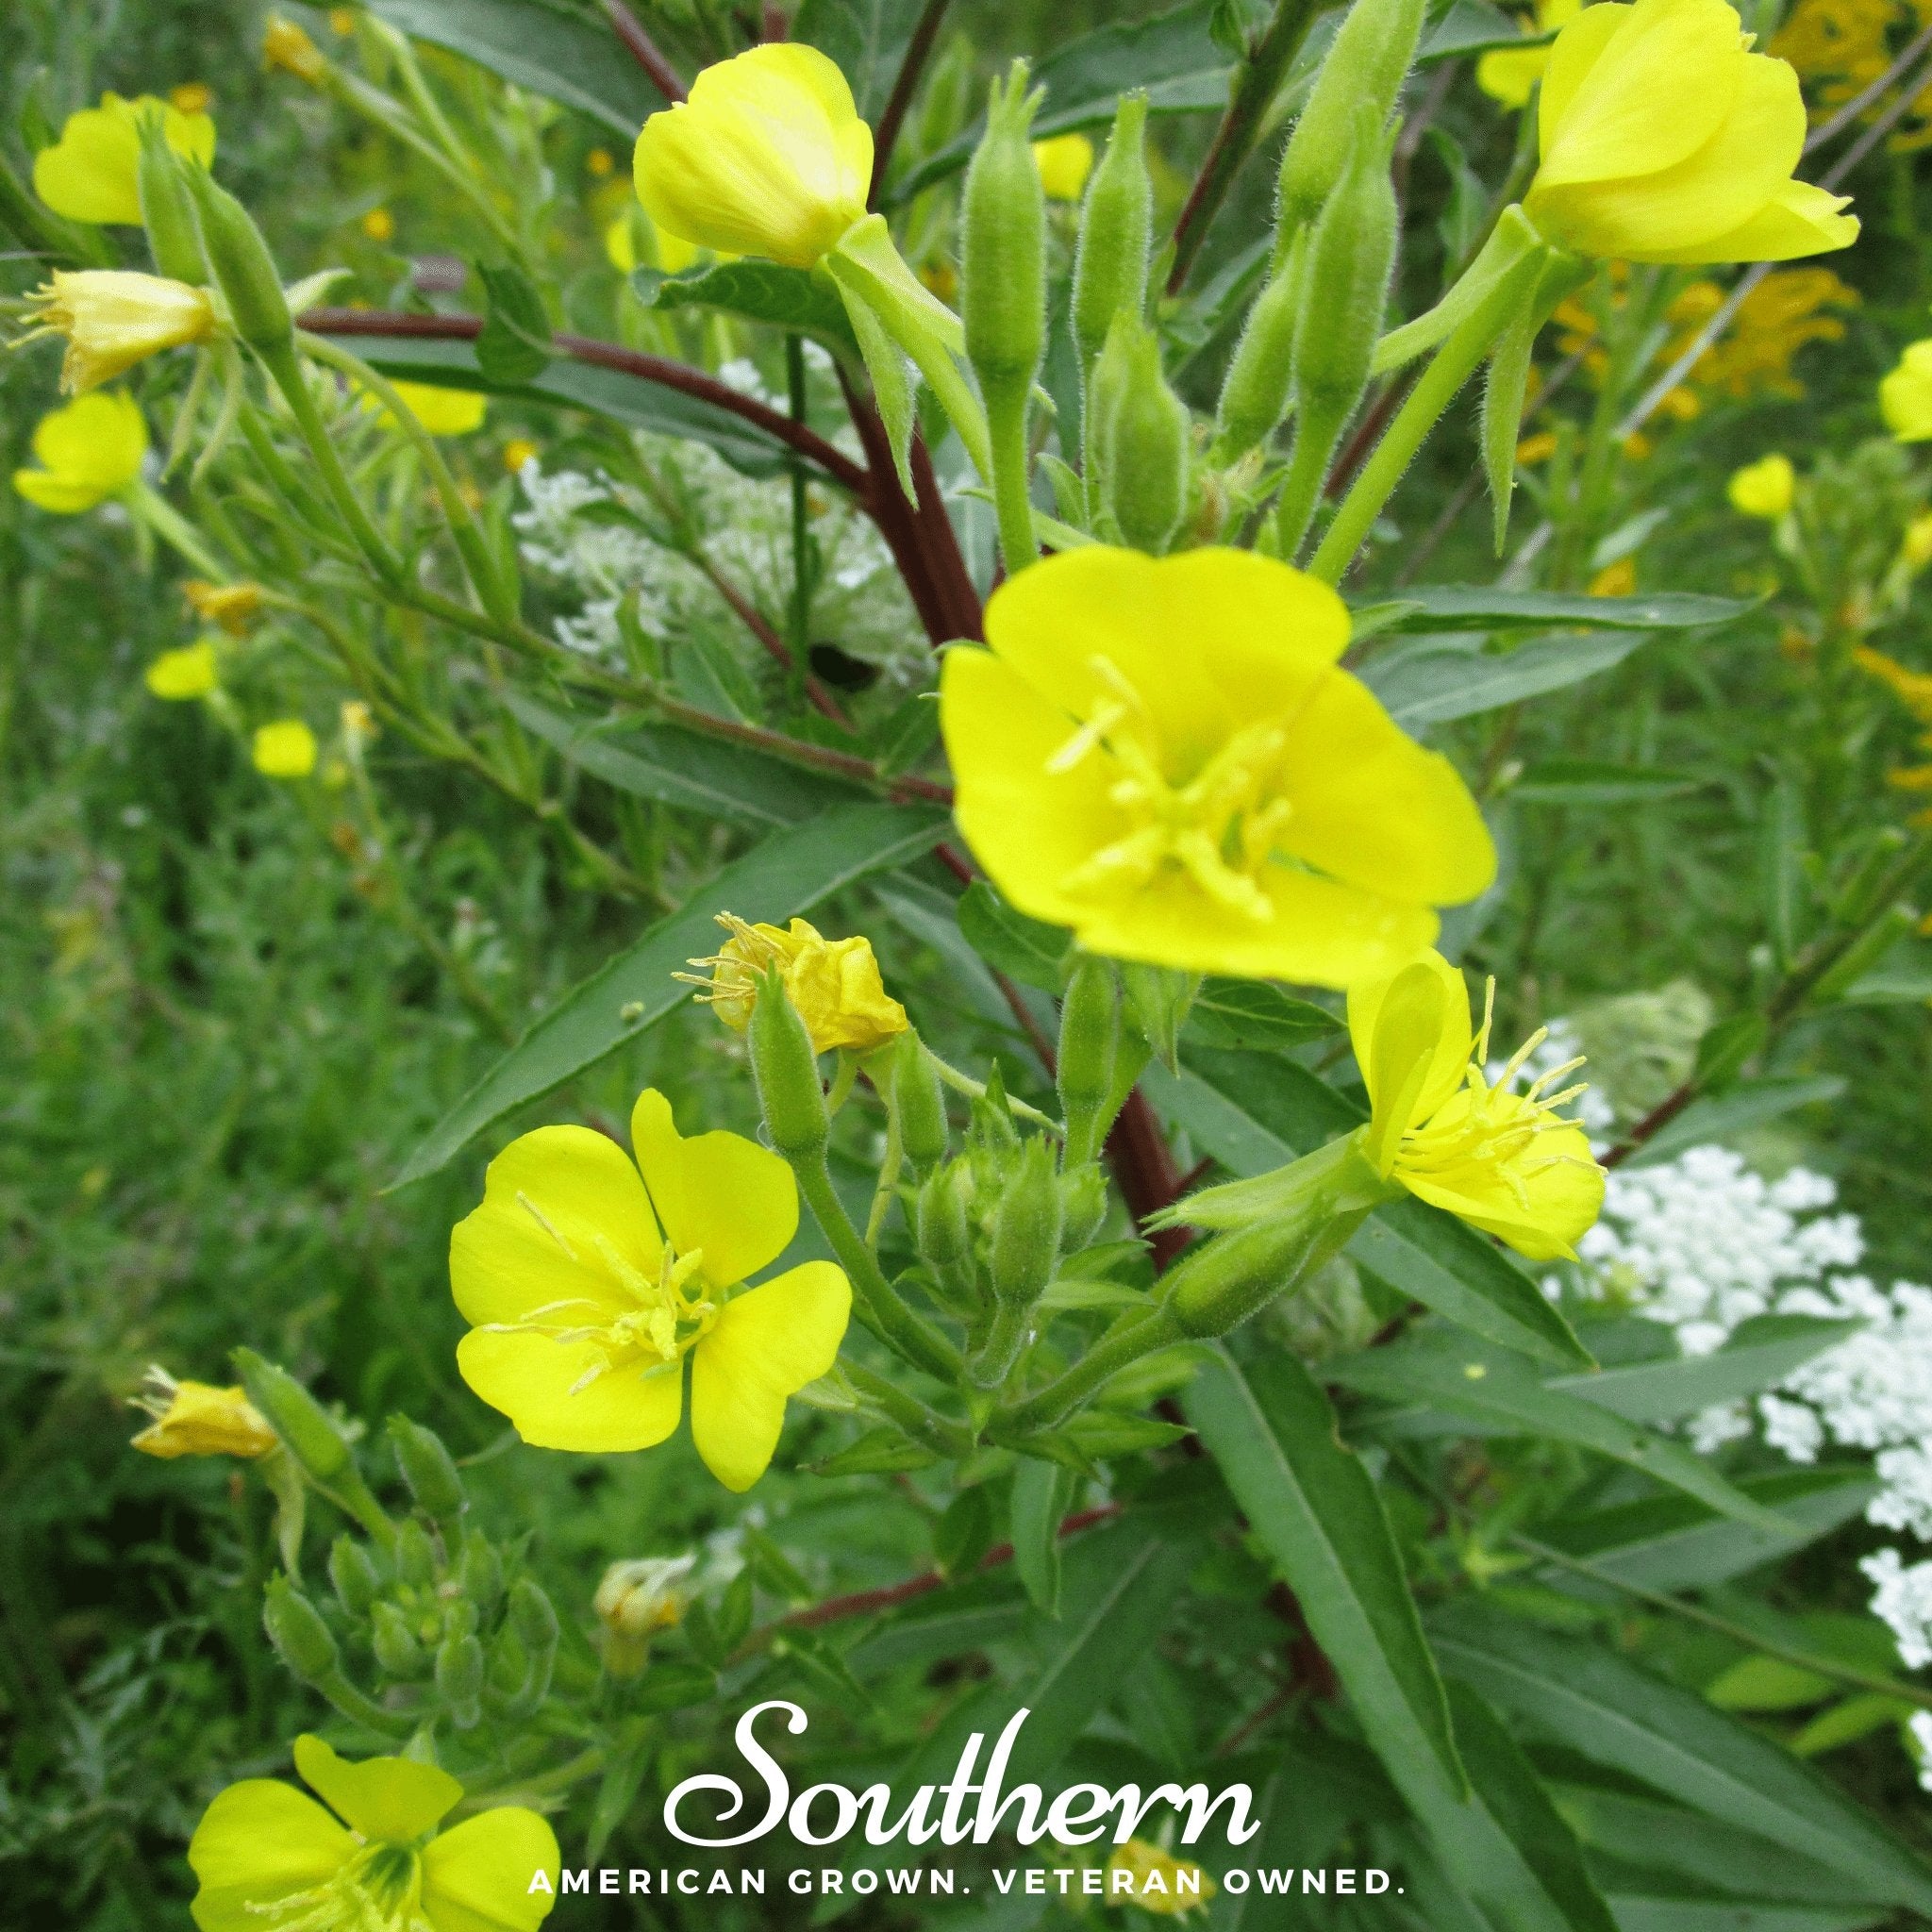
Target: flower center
1221	827
380	1890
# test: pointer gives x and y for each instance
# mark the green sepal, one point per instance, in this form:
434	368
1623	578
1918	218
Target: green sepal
893	386
1511	240
1502	396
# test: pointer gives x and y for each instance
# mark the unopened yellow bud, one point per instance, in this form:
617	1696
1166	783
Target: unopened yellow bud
1617	580
378	224
285	46
114	318
195	1419
191	671
285	749
598	162
1763	489
1167	1887
358	723
233	607
342	21
834	984
634	1601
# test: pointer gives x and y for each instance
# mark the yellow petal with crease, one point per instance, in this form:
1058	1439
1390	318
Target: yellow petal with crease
718	1192
540	1385
258	1842
393	1799
477	1877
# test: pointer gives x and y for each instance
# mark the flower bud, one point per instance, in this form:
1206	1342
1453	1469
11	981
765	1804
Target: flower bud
244	269
354	1574
294	1415
459	1679
921	1102
294	1626
1003	243
481	1571
946	1234
532	1622
1116	225
1143	436
1084	1068
1083	1204
993	1141
397	1652
426	1467
787	1073
167	210
1260	375
1025	1233
634	1601
285	46
415	1556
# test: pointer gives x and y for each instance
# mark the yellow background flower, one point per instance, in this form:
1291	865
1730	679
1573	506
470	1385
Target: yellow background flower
92	174
197	1419
114	318
89	451
1905	396
1763	489
1664	139
189	673
231	605
768	157
439	410
266	1854
835	984
1510	75
1158	1884
584	1311
1064	161
285	749
1162	754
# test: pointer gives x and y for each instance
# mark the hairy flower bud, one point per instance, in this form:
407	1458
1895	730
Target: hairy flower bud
294	1626
946	1234
1260	375
921	1102
481	1571
1003	243
1218	1285
1143	436
397	1652
244	268
459	1679
1116	227
787	1073
353	1572
1084	1069
415	1556
167	209
428	1468
294	1415
1083	1204
1025	1235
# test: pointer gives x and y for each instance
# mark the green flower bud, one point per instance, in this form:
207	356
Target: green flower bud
459	1679
167	208
1116	227
294	1415
1261	377
1083	1204
354	1574
921	1102
481	1571
531	1616
1025	1233
509	1667
1085	1067
1143	435
244	270
993	1141
787	1073
1003	243
428	1468
945	1234
415	1556
397	1652
294	1626
1366	63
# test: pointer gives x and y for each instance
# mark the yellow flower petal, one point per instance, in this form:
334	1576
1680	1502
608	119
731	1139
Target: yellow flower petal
388	1799
1905	396
1798	220
563	1212
1574	55
1561	1189
1763	489
258	1842
767	1346
89	451
284	749
717	1191
439	410
1412	1038
113	318
1510	75
1064	161
476	1875
92	174
197	1419
562	1395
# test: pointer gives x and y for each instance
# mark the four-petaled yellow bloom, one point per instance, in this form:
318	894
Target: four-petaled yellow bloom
285	749
113	318
1168	1887
768	157
1506	1162
196	1419
233	607
267	1856
835	984
1905	396
1162	754
191	671
1763	489
584	1312
89	451
1665	139
1064	161
1510	75
92	173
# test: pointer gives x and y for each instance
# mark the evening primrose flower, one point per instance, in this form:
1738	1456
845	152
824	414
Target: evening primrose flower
835	984
1763	489
1665	139
271	1860
88	451
1439	1127
1064	161
1510	75
1905	396
92	174
590	1278
768	157
114	318
1168	1887
195	1419
1162	754
284	749
191	671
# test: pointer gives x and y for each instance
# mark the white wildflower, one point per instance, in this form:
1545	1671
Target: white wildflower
1904	1600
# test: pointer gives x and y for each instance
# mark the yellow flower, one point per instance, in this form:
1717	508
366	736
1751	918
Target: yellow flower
439	410
1665	140
191	671
271	1860
1536	449
113	318
285	46
231	605
634	1601
1916	547
92	174
768	157
195	1419
285	749
89	451
598	162
1169	1888
1763	489
1506	1162
670	253
518	452
1162	754
191	97
378	224
1617	580
1064	161
1905	397
357	721
584	1312
835	984
1510	75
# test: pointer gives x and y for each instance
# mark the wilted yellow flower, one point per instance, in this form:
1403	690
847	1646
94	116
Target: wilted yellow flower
89	451
191	97
1905	396
92	173
835	984
285	46
439	410
234	606
1064	161
584	1312
1510	75
358	722
634	1601
1917	546
1664	139
191	671
1763	489
195	1419
378	224
517	451
1506	1162
1169	1888
269	1859
768	157
1163	754
285	749
113	318
1617	580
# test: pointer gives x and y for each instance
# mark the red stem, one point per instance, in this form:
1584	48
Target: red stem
645	50
917	50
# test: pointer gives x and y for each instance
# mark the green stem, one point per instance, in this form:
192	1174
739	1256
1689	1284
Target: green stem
1006	411
1307	471
976	1090
1155	1328
542	1784
888	1168
173	528
921	1424
362	1709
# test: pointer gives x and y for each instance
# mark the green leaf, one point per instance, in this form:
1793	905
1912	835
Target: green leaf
1043	1494
552	50
1593	781
1319	1515
624	1776
1638	1913
1025	949
878	1452
867	38
1101	1433
895	386
1235	1013
1849	1720
789	874
1253	1114
1748	1104
1472	26
679	767
1759	1356
973	1615
514	346
673	1686
788	299
1501	1394
1485	607
965	1533
1607	1709
1767	1683
1429	680
1174	55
